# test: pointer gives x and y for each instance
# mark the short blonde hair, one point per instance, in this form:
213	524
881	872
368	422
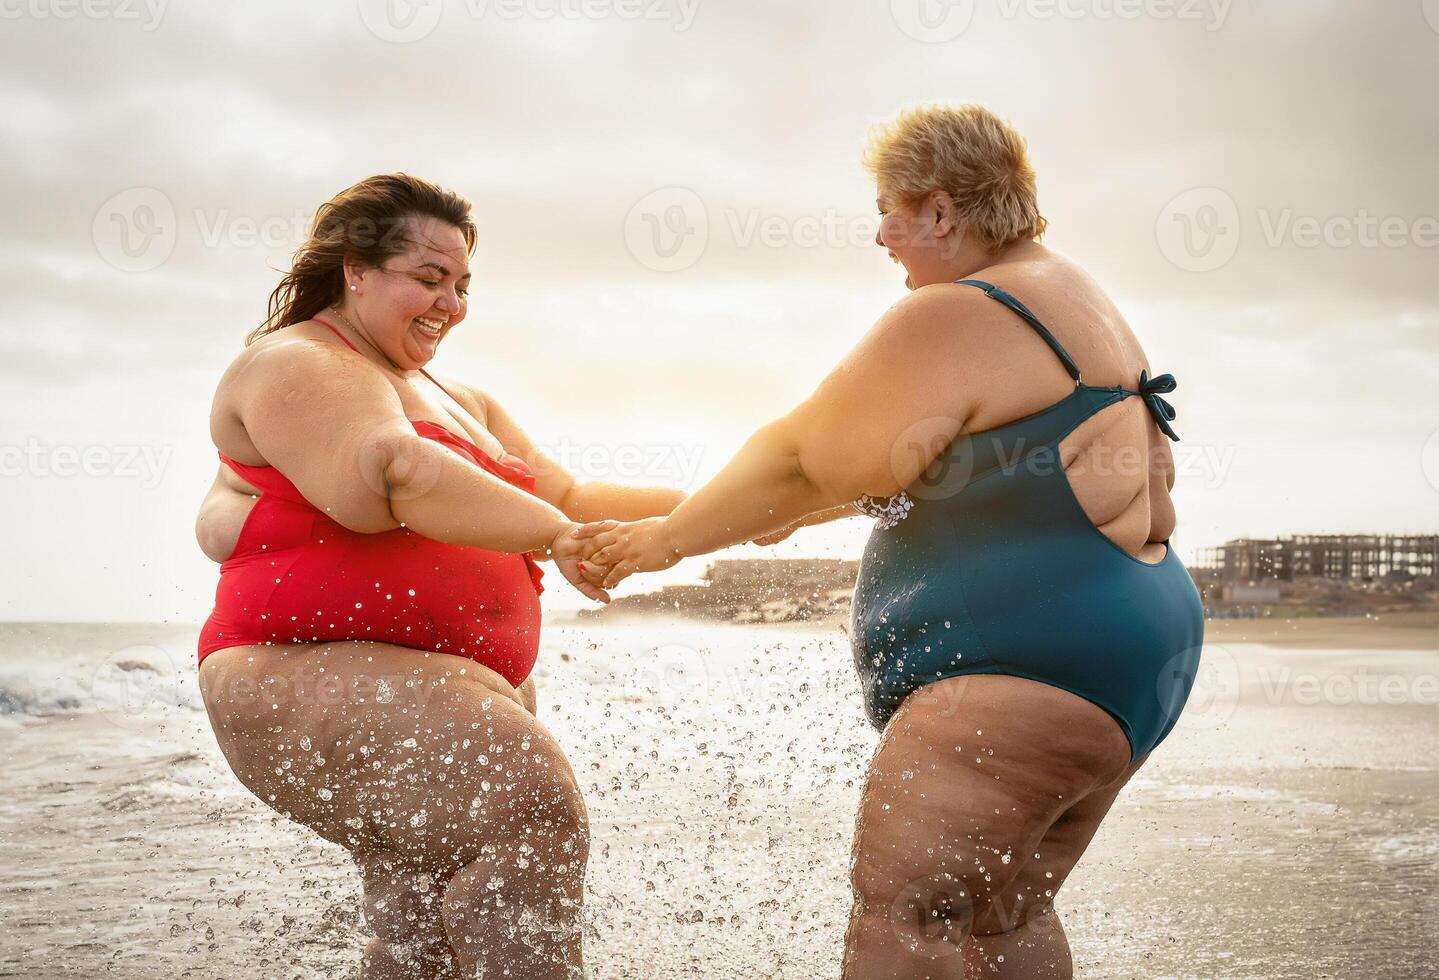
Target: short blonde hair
969	153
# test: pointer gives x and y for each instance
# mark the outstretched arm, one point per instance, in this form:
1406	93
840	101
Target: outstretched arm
336	429
588	501
872	427
821	517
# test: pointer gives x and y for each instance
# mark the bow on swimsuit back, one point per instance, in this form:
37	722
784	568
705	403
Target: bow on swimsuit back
987	564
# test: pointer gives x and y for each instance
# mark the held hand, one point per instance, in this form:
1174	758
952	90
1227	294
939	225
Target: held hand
640	546
566	550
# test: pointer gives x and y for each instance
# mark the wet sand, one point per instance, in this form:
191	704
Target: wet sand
1394	631
1288	828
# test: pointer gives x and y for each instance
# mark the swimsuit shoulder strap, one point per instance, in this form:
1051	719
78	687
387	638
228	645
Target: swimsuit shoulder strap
352	347
994	292
336	332
443	388
1150	388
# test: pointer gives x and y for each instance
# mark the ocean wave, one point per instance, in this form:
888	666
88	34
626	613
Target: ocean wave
132	686
181	776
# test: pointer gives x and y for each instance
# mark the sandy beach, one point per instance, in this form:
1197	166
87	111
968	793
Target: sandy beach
1394	631
1287	829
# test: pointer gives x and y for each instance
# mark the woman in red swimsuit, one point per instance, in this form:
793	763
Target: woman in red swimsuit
366	667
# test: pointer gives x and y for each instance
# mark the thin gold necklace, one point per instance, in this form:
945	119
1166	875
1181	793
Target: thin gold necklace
356	331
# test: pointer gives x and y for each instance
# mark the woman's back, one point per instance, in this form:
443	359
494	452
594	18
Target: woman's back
1118	462
989	562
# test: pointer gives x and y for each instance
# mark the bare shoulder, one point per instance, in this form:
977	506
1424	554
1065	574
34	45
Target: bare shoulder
281	370
291	352
1054	286
930	321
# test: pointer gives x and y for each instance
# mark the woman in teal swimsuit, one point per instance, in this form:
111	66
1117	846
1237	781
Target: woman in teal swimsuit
1023	630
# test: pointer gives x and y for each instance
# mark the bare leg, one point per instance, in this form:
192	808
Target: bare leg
1037	949
402	908
516	911
1033	943
460	808
972	773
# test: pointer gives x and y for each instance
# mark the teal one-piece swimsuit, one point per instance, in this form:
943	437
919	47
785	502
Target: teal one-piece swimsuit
987	564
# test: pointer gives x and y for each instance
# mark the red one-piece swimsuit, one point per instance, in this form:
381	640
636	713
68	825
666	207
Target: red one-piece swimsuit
296	576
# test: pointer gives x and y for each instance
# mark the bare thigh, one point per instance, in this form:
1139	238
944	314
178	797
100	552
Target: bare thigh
1037	881
429	757
971	774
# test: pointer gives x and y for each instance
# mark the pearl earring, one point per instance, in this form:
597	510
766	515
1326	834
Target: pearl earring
354	288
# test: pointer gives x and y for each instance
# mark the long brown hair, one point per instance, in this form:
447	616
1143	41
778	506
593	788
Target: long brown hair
367	223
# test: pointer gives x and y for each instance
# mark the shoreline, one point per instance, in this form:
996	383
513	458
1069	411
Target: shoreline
1388	631
1394	631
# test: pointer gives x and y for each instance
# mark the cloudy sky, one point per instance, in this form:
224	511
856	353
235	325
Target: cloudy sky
675	233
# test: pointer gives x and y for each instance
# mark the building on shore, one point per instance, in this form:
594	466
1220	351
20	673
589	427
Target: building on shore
796	574
759	590
1337	557
1320	575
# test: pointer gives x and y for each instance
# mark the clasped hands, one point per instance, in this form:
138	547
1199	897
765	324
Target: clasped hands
598	556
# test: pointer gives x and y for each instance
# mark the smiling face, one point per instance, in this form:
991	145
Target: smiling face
411	301
921	237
